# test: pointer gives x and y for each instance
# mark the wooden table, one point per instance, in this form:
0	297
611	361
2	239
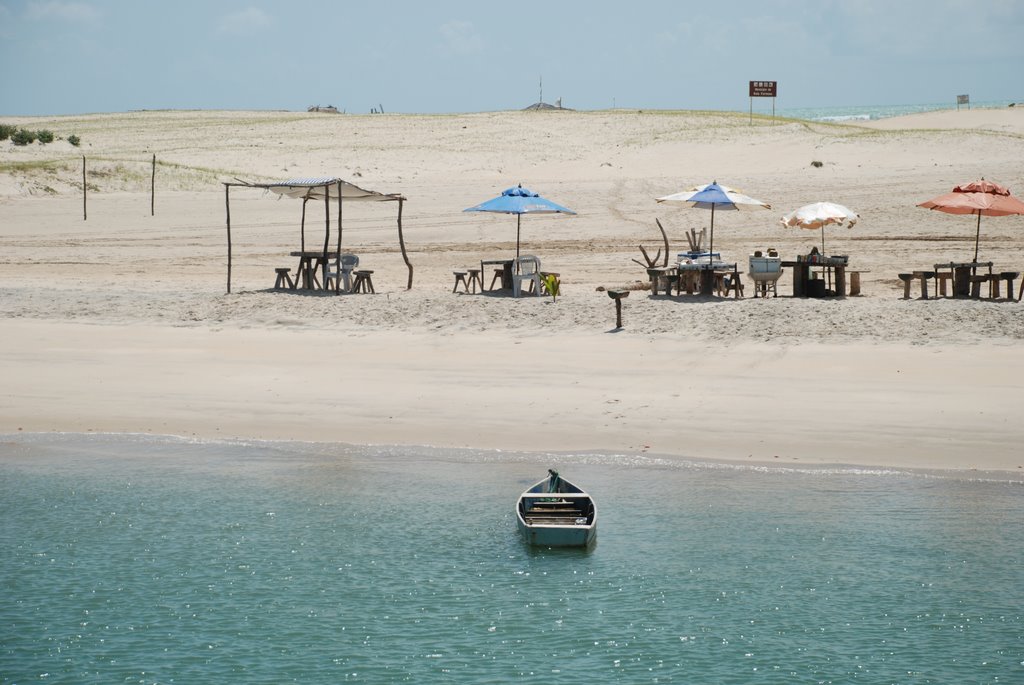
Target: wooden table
506	275
311	263
708	272
802	275
962	273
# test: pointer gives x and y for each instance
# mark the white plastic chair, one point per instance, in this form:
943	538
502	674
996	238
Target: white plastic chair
339	271
528	271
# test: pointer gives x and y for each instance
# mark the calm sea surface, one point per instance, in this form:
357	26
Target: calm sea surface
854	113
143	560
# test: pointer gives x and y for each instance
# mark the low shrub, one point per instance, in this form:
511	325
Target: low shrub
44	136
6	131
74	140
23	137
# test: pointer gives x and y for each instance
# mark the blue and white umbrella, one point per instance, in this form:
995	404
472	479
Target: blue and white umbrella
519	201
713	196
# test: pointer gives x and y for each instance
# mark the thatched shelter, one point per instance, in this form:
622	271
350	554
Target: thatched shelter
326	189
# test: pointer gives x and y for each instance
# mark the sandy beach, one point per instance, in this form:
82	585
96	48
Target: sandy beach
121	322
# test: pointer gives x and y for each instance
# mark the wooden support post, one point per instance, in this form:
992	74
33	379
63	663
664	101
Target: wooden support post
327	236
85	214
302	225
401	244
227	209
340	189
152	189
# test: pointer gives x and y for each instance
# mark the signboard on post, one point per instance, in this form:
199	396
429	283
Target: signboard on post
762	89
963	100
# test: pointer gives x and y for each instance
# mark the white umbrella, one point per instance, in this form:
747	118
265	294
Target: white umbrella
713	196
818	215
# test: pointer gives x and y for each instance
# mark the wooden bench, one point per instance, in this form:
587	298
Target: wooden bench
908	279
284	279
731	282
942	278
559	521
1009	277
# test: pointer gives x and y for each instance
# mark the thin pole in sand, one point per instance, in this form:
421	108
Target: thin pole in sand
227	207
302	225
327	234
339	221
341	212
152	189
85	214
337	279
401	242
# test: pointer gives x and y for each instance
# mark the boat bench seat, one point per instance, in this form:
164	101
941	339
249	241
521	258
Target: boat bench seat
555	520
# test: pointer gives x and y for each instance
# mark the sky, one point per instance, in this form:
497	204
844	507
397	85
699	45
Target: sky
84	56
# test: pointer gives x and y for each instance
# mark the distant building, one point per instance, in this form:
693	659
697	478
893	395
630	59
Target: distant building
331	109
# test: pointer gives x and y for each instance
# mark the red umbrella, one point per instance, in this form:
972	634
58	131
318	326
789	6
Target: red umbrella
978	197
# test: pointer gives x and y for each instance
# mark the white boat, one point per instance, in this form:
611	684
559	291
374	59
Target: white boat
556	513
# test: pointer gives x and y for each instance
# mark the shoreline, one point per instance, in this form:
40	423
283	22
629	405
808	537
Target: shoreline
888	405
552	457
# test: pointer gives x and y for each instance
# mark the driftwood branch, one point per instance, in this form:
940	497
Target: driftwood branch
664	236
650	263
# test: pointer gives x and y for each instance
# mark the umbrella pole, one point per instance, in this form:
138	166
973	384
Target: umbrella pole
711	242
977	236
828	270
302	225
519	219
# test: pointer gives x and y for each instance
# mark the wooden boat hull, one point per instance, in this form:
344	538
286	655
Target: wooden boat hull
557	513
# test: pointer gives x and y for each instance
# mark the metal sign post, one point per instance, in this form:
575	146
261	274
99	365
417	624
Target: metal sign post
762	89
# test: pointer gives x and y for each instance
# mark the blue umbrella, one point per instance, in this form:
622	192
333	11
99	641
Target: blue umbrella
713	196
519	201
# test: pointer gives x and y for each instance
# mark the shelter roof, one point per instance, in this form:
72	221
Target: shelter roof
315	188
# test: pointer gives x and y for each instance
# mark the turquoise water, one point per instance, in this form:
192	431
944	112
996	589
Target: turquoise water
143	560
856	113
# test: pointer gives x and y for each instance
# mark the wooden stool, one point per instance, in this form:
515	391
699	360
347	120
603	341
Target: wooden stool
976	281
907	280
660	280
925	276
283	279
544	282
475	280
1009	277
460	277
363	282
499	276
854	282
941	278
